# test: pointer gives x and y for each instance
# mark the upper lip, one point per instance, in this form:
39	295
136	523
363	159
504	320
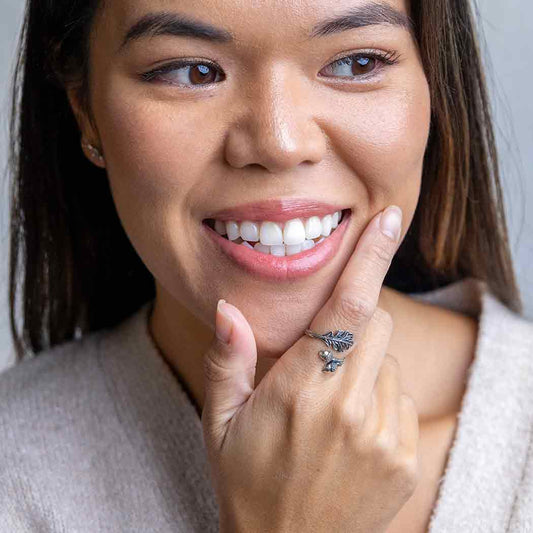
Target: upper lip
277	210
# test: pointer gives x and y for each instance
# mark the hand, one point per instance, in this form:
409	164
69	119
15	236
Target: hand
313	451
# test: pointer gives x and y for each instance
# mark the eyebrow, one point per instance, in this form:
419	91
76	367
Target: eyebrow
371	14
178	25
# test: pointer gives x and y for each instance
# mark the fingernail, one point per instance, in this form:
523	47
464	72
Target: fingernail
391	222
223	323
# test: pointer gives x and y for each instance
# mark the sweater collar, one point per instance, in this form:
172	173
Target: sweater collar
489	450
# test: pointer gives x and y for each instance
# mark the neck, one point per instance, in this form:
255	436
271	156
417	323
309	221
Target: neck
420	332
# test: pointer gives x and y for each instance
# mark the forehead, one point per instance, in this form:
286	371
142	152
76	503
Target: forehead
235	22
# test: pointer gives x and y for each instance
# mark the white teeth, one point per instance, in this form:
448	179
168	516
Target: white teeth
220	227
326	225
278	249
271	234
293	232
313	228
322	239
282	249
293	236
232	229
262	248
335	219
249	231
291	249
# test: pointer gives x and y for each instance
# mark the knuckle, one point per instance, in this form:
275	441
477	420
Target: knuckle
391	360
405	470
383	318
349	415
301	402
214	371
380	253
385	446
411	468
408	401
354	307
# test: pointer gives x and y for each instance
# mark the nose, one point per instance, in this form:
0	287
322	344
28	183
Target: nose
276	128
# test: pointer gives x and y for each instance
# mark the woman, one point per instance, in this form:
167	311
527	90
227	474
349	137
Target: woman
168	155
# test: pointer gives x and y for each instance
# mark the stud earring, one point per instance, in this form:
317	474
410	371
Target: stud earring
95	152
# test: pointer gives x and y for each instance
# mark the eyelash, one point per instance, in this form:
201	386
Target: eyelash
386	59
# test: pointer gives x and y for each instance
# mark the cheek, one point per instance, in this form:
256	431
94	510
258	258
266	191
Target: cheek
383	135
157	158
154	147
156	163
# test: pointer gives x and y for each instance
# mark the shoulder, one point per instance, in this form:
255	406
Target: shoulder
69	382
57	417
59	369
50	401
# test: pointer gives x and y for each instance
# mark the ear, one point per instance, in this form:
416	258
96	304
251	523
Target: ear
90	139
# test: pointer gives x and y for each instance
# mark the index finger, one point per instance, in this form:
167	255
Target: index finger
361	281
354	300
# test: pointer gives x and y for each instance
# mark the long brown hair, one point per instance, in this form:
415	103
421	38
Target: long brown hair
73	266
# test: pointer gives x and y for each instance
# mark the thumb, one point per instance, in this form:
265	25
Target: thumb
229	369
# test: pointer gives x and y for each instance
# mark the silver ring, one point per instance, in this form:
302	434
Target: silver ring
340	340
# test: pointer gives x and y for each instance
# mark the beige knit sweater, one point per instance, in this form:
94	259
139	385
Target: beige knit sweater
97	435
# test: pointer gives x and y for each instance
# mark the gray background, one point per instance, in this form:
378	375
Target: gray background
507	30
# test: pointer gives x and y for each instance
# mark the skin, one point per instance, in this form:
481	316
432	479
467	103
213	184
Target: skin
273	128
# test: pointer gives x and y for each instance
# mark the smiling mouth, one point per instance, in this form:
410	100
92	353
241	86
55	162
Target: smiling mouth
279	238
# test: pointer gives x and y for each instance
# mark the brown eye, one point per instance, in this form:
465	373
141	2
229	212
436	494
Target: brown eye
200	74
354	65
184	73
363	65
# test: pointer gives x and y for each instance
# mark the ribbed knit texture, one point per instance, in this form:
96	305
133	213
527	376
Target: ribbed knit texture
97	435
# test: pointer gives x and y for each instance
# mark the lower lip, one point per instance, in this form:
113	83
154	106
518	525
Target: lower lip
276	268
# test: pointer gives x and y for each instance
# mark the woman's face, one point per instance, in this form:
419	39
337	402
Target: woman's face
269	113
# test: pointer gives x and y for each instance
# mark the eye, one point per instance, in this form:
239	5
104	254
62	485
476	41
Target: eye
197	73
185	73
363	64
